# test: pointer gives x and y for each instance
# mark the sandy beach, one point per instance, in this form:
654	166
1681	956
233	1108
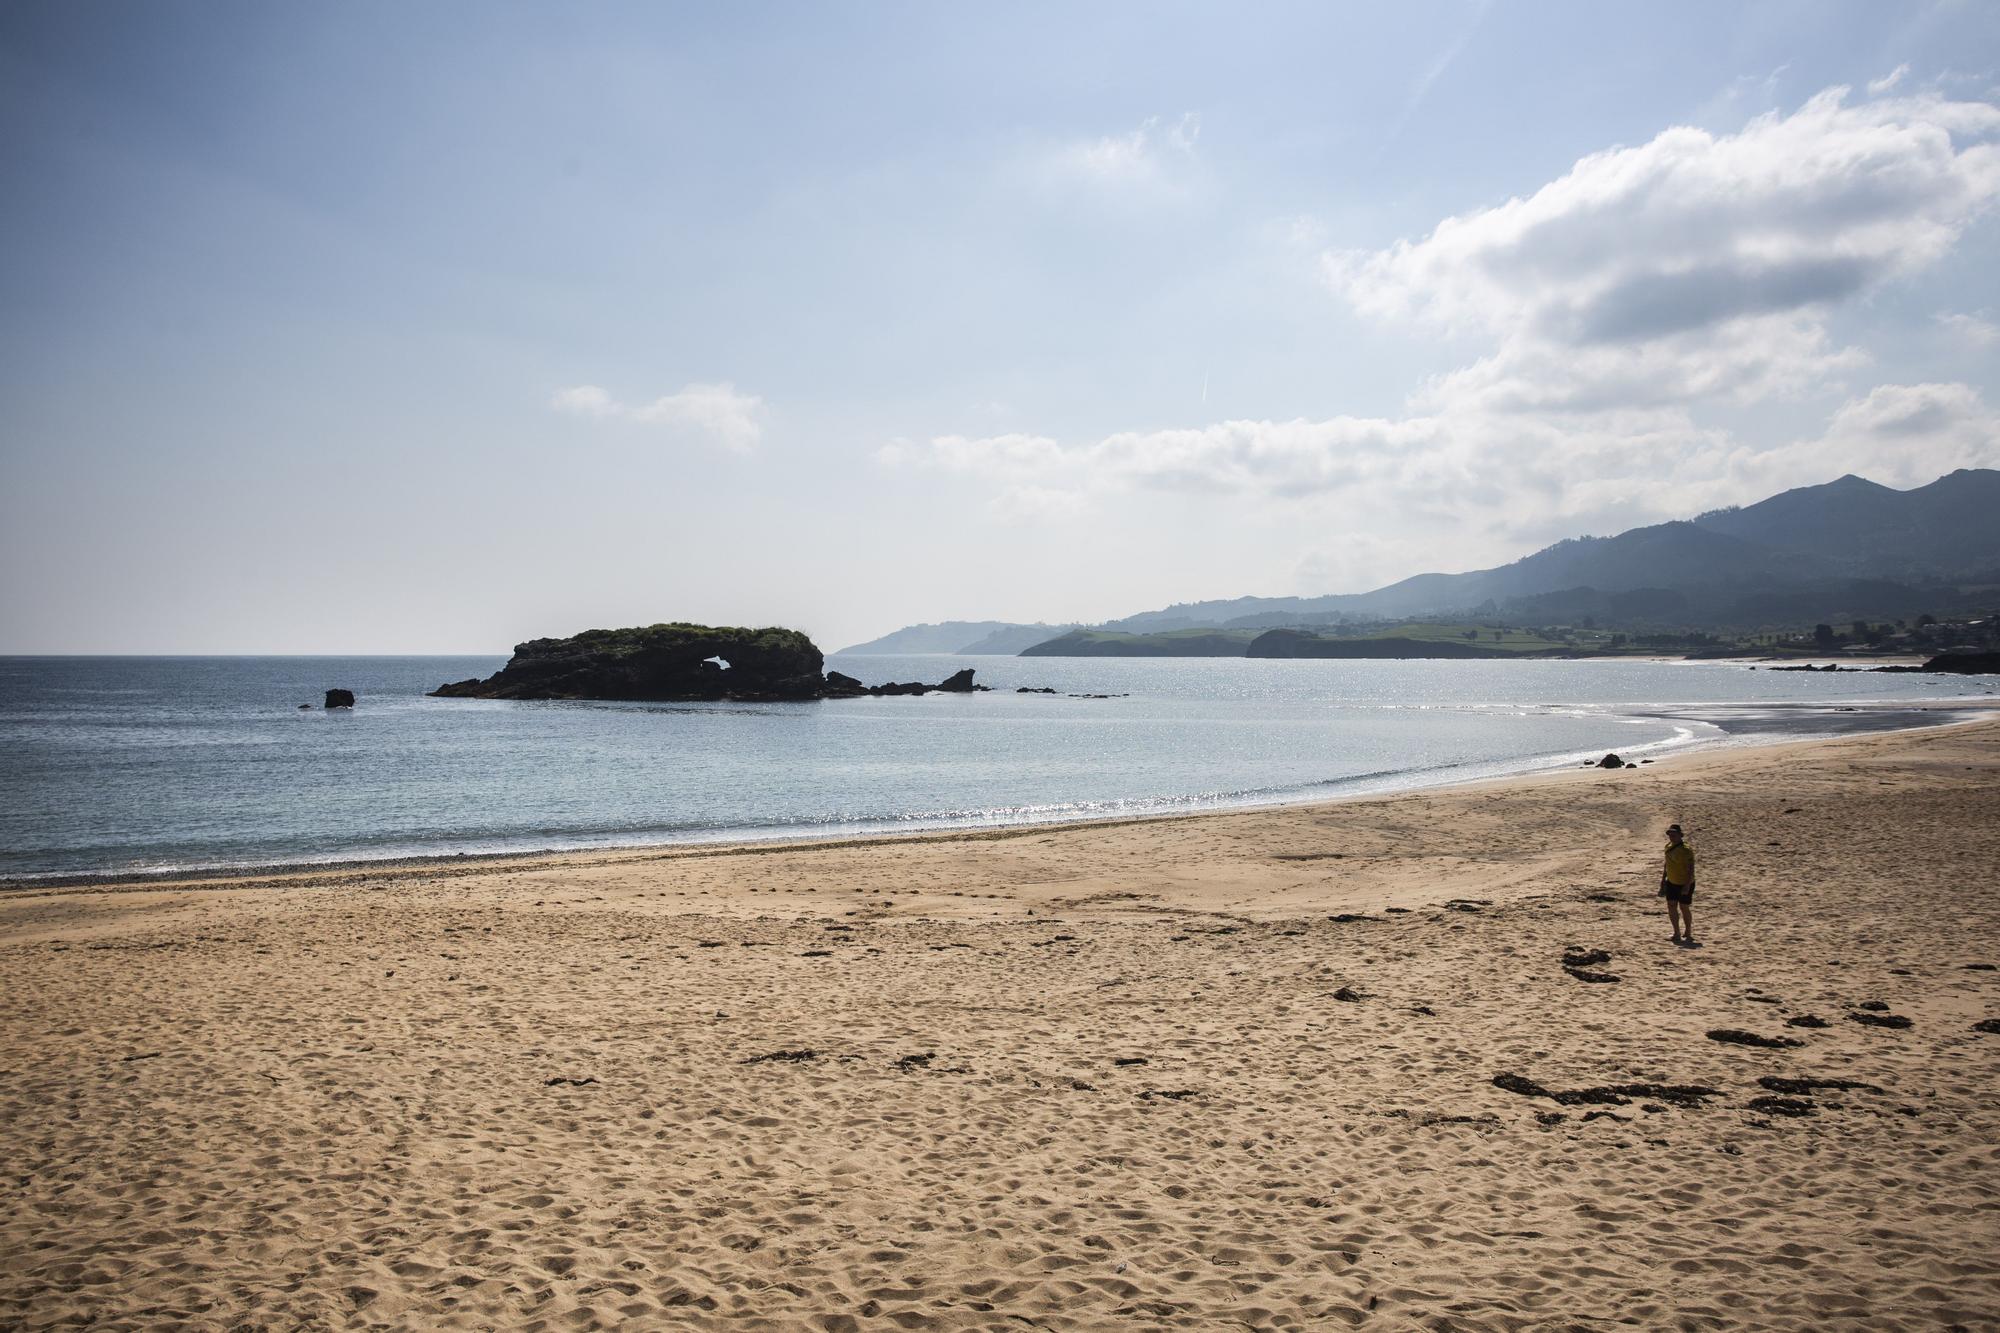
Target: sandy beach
1229	1070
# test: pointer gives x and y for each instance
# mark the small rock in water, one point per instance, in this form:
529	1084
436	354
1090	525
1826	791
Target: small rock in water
340	698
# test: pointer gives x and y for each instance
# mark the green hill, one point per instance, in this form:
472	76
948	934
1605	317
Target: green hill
1174	643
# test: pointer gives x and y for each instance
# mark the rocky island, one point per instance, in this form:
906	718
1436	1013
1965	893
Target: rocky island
680	663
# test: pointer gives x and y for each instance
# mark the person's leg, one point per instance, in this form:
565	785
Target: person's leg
1674	916
1687	918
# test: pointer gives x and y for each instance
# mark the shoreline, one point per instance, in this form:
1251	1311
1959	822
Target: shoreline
1414	1060
1960	712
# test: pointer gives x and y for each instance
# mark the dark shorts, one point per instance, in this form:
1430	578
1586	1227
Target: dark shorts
1677	893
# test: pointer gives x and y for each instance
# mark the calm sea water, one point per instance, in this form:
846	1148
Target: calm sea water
131	764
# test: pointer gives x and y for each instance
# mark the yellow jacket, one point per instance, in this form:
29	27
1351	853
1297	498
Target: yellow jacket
1680	863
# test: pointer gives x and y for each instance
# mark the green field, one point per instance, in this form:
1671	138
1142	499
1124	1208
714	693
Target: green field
1510	640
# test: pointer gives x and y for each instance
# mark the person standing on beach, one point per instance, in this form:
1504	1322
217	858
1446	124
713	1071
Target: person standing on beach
1677	887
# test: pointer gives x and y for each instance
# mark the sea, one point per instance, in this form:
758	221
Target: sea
136	765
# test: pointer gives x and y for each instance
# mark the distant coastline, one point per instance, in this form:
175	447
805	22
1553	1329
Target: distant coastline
1849	565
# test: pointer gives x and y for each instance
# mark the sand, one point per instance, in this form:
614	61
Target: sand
1223	1071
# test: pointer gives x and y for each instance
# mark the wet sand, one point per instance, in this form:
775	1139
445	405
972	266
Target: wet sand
1224	1070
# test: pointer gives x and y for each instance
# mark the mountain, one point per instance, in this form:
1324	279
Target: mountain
958	636
1167	643
1950	528
1849	549
1009	640
1841	546
1235	612
1296	643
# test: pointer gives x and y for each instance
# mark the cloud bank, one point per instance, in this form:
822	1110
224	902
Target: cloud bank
1625	306
713	412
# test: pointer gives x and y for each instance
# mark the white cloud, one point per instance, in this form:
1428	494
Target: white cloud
1147	156
585	400
1039	504
1876	87
715	412
1912	433
1897	434
1742	361
998	455
1623	304
1516	479
1976	329
1693	266
1271	457
1421	88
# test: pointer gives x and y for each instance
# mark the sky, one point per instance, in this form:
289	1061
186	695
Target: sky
386	328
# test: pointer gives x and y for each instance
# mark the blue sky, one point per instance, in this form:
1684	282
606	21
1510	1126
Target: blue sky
432	328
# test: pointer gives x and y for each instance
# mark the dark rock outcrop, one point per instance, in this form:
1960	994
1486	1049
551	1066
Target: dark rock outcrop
839	686
656	662
1966	664
1611	761
678	662
1616	1094
340	698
